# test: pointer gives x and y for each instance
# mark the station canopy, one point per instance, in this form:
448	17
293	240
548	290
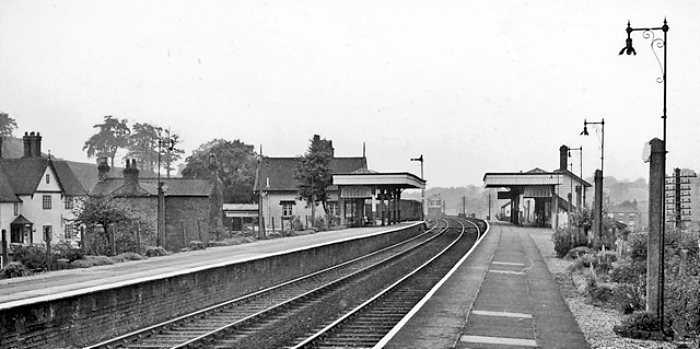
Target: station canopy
359	184
519	179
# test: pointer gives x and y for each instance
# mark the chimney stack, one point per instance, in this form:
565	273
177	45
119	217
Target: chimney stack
102	169
37	145
131	175
27	144
563	157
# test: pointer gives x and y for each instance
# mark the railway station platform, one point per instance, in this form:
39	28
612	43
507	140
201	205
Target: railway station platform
67	283
501	296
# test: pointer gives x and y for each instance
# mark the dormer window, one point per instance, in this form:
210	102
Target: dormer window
48	179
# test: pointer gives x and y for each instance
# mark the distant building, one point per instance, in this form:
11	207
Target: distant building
186	201
278	192
629	214
37	194
436	206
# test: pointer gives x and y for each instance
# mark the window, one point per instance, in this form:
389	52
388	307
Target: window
286	209
69	231
15	209
68	202
333	208
47	179
46	202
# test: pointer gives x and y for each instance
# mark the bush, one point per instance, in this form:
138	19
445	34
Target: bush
638	246
195	245
13	270
682	305
579	251
152	251
630	272
31	256
562	242
127	256
91	261
64	250
640	326
600	294
320	224
627	298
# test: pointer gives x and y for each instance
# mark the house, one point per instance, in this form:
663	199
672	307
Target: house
37	195
277	189
627	213
187	204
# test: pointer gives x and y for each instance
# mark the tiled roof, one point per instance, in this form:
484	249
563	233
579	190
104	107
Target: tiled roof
149	186
6	192
279	172
22	176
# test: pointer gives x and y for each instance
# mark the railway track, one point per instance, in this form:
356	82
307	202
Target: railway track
367	324
244	319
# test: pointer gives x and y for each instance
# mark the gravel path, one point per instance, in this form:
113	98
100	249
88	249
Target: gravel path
596	323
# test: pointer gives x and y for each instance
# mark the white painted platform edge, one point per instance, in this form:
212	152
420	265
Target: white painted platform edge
499	340
502	313
385	340
506	272
509	263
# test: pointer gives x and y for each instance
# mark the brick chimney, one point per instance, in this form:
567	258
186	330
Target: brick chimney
131	175
27	144
32	145
37	145
102	169
563	157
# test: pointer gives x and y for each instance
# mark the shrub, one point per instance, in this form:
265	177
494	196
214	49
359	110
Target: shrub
296	224
682	305
152	251
320	224
579	251
128	256
91	261
638	246
630	272
31	256
195	245
562	242
64	250
600	294
640	326
627	298
13	270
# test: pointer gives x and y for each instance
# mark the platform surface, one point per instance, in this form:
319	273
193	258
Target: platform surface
59	284
501	296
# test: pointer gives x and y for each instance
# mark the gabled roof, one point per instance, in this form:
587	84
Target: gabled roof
574	176
149	187
6	192
23	176
278	172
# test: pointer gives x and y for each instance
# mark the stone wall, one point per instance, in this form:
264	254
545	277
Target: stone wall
80	320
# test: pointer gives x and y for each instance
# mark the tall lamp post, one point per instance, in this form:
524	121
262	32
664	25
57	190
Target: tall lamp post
598	202
169	144
422	192
657	219
583	189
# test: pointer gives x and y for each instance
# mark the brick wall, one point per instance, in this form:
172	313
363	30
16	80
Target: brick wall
87	319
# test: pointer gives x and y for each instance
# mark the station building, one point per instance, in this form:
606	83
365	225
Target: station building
538	197
357	197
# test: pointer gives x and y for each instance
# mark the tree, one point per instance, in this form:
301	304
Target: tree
236	167
102	211
7	125
313	173
113	135
143	145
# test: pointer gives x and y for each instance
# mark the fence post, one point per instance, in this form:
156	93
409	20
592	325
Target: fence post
47	237
184	233
114	239
138	235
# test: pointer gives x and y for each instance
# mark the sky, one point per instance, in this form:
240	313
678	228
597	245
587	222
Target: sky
473	86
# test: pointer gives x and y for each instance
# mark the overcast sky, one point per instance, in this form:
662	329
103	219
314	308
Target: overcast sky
474	86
